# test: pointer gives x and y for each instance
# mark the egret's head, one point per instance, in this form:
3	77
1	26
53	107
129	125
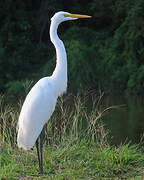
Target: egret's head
65	16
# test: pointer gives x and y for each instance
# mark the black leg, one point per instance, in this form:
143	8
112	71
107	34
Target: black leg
38	154
39	146
41	151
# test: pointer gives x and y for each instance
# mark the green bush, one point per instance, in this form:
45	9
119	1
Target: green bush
18	89
125	55
15	90
106	50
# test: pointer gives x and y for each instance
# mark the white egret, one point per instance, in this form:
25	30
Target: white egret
41	100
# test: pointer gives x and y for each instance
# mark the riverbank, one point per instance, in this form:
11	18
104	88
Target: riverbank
73	160
77	145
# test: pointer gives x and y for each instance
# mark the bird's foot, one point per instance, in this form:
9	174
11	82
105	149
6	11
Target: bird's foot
46	174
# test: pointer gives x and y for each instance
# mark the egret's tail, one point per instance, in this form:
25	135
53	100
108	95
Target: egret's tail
21	141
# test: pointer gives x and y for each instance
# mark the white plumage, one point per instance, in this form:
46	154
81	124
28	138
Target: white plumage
41	100
36	110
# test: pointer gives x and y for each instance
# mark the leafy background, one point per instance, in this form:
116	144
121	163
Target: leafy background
106	51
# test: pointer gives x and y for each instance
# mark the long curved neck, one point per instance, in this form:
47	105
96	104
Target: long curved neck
59	75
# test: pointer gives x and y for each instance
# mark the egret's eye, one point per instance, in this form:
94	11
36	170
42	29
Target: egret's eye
66	15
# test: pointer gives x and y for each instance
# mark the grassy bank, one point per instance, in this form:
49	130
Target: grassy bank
69	152
73	161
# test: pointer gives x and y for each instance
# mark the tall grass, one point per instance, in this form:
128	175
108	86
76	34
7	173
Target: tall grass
75	117
8	122
76	144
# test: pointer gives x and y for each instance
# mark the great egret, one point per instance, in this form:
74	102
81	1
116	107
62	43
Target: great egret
41	100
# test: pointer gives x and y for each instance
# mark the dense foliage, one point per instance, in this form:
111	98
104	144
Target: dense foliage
106	51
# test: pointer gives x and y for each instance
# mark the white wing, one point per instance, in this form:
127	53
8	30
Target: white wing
36	111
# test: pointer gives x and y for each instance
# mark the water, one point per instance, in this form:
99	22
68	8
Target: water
126	123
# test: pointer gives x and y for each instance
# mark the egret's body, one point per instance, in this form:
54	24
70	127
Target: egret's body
41	100
36	110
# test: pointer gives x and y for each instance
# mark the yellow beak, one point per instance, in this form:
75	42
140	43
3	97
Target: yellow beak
78	16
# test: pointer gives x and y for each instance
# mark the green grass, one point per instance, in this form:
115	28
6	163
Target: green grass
76	145
73	161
